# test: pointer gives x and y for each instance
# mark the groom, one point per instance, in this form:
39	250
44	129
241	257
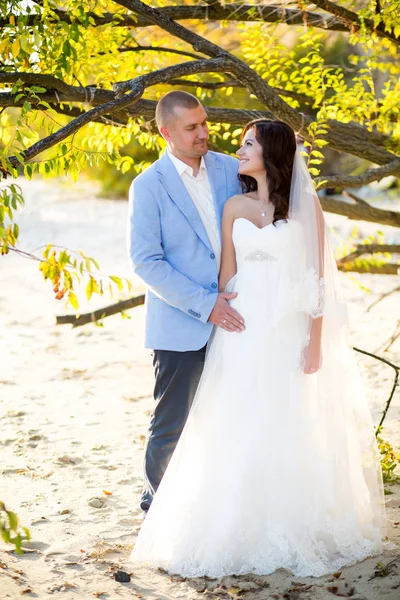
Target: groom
174	239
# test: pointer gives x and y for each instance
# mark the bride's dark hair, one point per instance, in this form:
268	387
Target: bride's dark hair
278	142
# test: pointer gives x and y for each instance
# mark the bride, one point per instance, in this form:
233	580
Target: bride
277	466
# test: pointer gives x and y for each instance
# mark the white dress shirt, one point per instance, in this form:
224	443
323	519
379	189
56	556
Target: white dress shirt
199	190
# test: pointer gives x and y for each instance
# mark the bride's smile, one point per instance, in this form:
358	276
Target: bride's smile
251	155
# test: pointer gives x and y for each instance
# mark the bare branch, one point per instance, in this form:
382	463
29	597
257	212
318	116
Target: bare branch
107	311
382	297
341	181
216	85
355	198
207	85
74	111
143	108
396	369
157	49
206	65
386	269
47	81
393	338
362	249
113	309
360	212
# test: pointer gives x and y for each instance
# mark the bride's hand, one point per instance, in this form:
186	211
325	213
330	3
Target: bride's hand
312	359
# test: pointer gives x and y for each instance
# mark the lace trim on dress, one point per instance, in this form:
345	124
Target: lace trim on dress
304	347
259	255
320	552
313	300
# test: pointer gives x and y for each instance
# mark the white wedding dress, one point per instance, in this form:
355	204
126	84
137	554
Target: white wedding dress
274	468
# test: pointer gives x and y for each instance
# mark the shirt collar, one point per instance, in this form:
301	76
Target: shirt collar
182	167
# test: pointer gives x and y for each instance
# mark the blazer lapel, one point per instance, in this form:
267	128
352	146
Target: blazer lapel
217	178
176	190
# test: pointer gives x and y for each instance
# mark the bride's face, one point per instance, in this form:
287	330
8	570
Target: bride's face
251	155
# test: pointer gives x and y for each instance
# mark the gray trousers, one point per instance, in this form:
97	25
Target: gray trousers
177	375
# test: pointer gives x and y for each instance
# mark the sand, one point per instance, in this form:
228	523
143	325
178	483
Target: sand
74	408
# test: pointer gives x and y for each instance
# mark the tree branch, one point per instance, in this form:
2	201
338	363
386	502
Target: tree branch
341	181
347	16
76	124
386	269
359	212
101	313
48	81
137	86
351	134
342	136
107	311
395	382
217	85
215	65
393	338
382	297
207	85
355	198
217	12
157	49
369	249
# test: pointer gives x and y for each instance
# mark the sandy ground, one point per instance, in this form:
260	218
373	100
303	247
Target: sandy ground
74	407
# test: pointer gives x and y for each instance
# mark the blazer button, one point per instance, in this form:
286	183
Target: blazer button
214	285
212	255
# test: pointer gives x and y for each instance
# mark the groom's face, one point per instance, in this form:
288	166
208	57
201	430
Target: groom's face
186	132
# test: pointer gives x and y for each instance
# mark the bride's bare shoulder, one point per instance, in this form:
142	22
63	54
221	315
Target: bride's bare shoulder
234	203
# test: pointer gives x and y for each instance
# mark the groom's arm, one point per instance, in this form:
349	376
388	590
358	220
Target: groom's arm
149	263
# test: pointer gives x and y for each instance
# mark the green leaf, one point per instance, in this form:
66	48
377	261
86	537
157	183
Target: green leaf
13	520
5	534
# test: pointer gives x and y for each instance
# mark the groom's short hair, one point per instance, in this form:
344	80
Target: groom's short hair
167	104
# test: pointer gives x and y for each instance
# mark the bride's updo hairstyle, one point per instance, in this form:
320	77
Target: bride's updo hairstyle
278	142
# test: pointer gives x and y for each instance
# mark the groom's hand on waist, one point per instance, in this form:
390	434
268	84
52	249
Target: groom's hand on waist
224	315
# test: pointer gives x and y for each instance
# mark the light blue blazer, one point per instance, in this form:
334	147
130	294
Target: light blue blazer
170	251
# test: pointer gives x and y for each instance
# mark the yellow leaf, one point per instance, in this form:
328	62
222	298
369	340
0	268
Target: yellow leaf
24	43
15	48
107	493
73	300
